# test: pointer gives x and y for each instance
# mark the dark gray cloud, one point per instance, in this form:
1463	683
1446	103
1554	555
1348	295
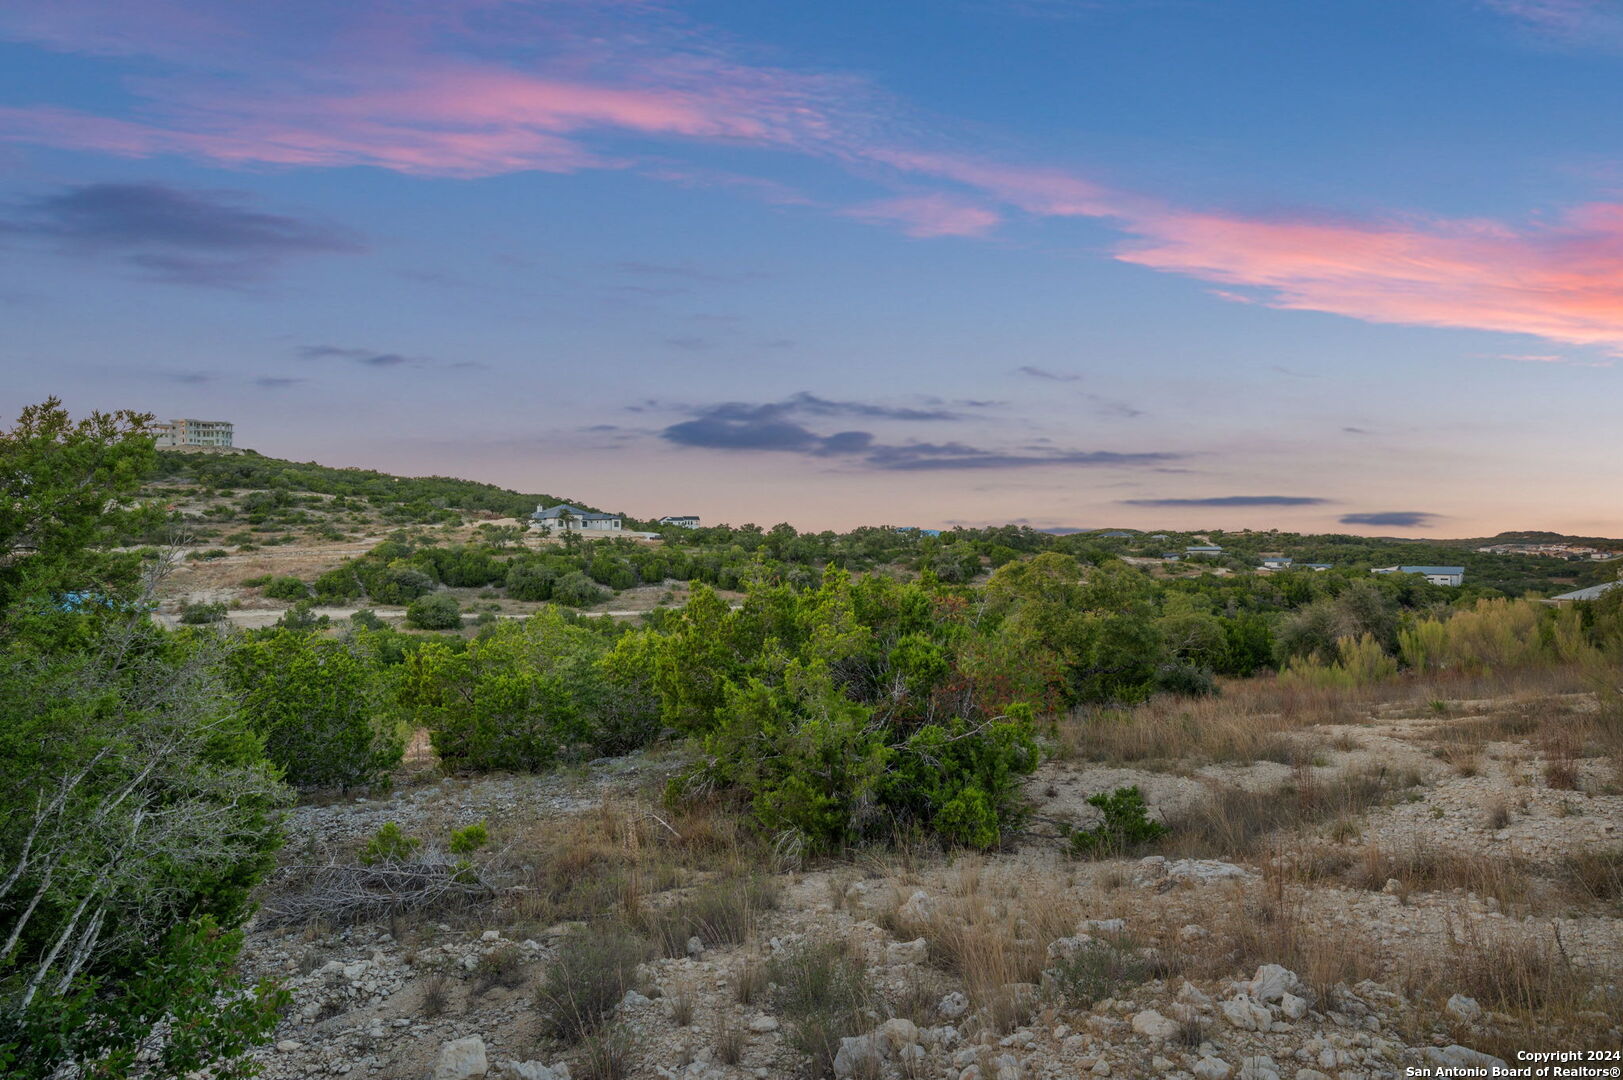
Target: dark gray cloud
175	235
930	456
1043	373
1233	501
277	382
774	427
364	357
1112	407
1402	519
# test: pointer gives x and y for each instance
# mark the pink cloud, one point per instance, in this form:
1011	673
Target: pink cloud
929	215
469	88
1561	282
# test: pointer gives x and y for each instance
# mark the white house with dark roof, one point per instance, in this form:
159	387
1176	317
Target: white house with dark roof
566	517
681	521
1277	562
1437	575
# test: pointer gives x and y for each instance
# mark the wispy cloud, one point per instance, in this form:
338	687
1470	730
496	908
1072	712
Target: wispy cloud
378	359
1551	358
1400	519
1043	373
479	89
173	234
1585	23
1231	501
927	216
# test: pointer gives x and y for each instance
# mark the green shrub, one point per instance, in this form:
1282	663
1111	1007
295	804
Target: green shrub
286	588
1126	825
317	704
199	614
578	590
1099	970
367	619
389	844
519	696
436	611
467	840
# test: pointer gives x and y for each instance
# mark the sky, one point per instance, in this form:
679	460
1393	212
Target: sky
1299	264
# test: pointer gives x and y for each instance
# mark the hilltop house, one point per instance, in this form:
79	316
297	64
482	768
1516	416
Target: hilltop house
1316	566
1437	575
1203	549
566	517
1277	562
189	432
681	521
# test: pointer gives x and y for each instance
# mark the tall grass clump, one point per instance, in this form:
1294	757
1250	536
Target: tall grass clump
825	995
588	976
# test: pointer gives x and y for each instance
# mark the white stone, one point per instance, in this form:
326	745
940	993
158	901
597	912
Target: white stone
1261	1067
1247	1015
1211	1068
953	1005
535	1070
1152	1024
1103	926
491	935
907	952
1192	994
761	1025
1272	982
857	1056
1066	947
917	909
462	1059
1464	1008
1292	1006
894	1035
634	1000
1191	932
1311	1074
695	947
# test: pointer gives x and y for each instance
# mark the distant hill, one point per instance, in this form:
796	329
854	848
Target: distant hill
250	470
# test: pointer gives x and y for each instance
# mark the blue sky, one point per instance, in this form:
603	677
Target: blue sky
1143	262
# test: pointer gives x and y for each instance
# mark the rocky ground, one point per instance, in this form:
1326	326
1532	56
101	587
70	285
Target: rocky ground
1470	913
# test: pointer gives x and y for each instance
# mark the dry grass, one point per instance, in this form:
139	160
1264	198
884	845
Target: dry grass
994	931
823	992
608	860
719	914
1264	719
1235	822
436	995
503	966
588	975
729	1040
1270	924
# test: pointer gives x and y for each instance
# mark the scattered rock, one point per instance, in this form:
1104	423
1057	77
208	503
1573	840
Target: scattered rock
907	952
462	1059
1153	1024
1272	982
1464	1008
1211	1068
1458	1056
953	1005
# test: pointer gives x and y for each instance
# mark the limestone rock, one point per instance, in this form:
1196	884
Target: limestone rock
1154	1025
462	1059
907	952
1211	1068
1272	982
1464	1008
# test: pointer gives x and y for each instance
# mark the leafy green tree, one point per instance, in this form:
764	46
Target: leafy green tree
436	611
518	697
316	704
577	590
530	580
